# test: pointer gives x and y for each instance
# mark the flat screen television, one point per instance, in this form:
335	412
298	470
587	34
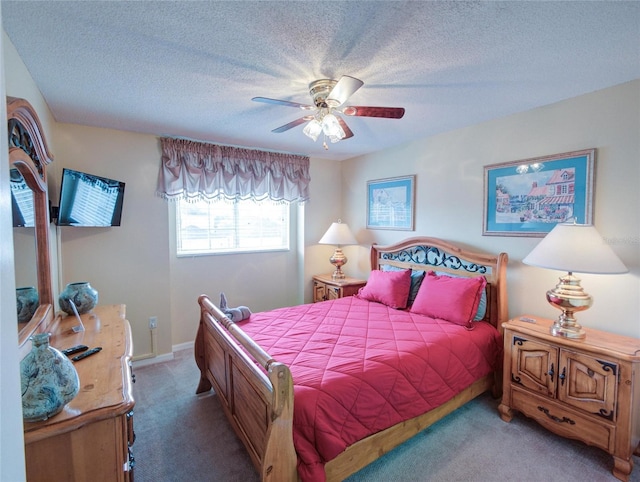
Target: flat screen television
22	207
89	201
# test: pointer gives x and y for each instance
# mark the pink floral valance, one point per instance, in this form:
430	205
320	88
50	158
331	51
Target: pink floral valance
200	171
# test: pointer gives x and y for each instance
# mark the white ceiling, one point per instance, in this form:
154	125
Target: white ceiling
190	68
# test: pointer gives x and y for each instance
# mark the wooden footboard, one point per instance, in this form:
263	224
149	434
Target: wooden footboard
257	398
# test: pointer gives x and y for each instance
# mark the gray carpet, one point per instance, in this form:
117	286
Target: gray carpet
181	436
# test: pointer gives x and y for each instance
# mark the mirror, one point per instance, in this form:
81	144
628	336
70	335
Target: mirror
24	245
29	155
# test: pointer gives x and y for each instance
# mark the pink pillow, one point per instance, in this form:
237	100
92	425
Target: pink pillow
449	298
388	287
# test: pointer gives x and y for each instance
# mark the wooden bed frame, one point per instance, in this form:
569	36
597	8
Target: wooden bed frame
258	397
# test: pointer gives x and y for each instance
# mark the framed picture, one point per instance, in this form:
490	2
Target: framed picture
390	203
529	197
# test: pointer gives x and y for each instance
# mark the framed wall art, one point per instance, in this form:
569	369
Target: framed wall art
390	203
529	197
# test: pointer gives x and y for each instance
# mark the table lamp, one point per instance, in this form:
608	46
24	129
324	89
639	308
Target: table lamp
338	234
575	248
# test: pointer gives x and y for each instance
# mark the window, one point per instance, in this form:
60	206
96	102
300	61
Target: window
223	226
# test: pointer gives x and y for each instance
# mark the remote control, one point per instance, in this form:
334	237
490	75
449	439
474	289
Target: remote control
75	349
527	319
87	353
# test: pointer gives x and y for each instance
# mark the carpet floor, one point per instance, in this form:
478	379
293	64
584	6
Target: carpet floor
181	436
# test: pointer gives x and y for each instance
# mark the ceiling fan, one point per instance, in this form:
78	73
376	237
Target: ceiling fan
329	97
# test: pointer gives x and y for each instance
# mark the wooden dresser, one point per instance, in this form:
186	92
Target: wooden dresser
587	389
327	288
91	438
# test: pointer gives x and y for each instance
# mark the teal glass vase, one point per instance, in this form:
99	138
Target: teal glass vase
48	378
27	302
81	294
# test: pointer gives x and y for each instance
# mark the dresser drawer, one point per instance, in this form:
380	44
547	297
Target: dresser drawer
563	421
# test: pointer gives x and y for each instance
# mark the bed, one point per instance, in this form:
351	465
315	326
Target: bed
318	391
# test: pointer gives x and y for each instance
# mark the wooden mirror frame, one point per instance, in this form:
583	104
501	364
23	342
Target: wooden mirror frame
29	154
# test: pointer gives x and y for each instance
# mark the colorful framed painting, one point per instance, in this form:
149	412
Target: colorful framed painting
529	197
390	203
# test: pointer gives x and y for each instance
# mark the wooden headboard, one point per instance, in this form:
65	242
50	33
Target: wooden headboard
432	254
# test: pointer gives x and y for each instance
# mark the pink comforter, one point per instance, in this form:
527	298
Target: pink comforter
359	367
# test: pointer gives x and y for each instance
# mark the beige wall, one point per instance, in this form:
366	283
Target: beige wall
449	194
136	263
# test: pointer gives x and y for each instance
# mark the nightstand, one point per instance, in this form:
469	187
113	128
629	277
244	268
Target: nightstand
326	288
587	389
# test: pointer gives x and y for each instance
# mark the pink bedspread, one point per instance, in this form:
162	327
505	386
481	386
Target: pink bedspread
359	367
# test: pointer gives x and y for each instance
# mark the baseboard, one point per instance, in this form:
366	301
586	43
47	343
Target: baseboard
151	360
182	346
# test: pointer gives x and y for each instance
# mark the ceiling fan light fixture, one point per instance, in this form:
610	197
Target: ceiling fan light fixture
313	129
331	127
329	96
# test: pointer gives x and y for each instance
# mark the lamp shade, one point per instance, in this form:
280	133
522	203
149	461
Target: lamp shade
313	129
575	248
331	127
338	234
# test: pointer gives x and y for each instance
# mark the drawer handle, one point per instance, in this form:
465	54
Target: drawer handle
554	418
563	375
551	372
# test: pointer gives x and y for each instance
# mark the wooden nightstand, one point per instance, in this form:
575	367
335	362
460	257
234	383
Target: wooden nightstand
587	389
326	288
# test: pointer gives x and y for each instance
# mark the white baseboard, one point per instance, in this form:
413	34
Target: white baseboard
151	360
182	346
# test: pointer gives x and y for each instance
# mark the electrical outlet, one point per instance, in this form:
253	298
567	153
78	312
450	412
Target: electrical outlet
153	322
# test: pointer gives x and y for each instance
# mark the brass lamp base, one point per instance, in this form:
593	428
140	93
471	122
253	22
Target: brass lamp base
569	297
338	259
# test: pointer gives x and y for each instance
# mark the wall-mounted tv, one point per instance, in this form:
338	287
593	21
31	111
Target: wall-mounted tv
22	207
89	201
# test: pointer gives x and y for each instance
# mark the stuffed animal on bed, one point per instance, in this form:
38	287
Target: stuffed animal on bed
236	314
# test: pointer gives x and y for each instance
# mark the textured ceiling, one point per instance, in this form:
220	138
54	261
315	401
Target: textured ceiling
190	68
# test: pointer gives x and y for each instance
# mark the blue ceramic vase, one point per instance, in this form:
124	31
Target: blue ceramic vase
48	378
83	296
26	303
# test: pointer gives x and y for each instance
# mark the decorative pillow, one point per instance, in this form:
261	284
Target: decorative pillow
449	298
416	280
482	306
388	287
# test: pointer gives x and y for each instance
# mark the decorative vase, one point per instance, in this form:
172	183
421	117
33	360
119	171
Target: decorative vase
27	302
48	378
83	296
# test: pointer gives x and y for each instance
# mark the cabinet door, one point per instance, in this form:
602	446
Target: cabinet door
333	292
588	383
318	291
534	365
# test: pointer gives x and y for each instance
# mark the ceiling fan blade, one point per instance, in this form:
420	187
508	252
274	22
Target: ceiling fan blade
347	132
344	89
266	100
292	124
386	112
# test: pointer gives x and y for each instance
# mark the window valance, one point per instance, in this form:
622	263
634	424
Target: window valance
200	171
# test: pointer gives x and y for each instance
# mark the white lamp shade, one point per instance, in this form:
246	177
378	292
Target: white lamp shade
575	248
331	127
313	129
338	234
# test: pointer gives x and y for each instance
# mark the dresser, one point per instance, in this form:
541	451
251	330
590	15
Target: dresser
327	288
586	389
92	438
